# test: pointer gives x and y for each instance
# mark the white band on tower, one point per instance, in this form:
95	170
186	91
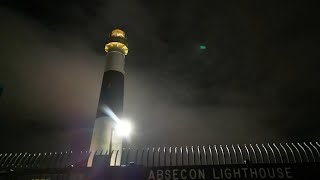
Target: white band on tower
115	61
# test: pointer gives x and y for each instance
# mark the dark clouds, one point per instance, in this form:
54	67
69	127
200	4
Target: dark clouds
256	82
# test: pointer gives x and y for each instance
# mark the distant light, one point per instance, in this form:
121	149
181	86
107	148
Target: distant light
123	128
203	47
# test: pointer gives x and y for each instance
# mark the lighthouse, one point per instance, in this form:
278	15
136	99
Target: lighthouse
110	107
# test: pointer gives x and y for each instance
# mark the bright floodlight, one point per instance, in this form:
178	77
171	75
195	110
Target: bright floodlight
123	128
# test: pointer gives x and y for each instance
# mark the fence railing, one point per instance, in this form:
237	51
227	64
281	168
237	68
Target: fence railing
304	152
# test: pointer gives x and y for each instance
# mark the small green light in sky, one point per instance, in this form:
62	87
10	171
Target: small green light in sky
203	47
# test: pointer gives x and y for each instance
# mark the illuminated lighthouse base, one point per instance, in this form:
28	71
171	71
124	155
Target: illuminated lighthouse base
102	134
106	140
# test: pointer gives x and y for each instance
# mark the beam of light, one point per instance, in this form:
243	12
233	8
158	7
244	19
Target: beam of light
110	113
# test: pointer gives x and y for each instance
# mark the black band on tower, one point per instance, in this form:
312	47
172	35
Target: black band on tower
112	92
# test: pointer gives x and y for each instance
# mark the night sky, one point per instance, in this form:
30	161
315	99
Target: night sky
257	80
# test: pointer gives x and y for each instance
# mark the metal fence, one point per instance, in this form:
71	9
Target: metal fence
170	156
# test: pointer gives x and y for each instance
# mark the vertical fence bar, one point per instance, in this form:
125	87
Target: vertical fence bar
122	153
241	154
136	157
193	156
6	159
61	159
110	156
267	153
64	154
260	152
153	160
211	156
313	159
17	159
159	157
235	154
254	153
274	156
50	159
85	157
56	162
71	157
147	157
281	159
182	156
317	145
64	161
115	160
187	153
11	159
315	148
205	155
285	152
165	156
41	159
3	158
199	156
175	154
217	154
127	156
249	158
141	158
223	156
170	156
25	161
228	151
304	151
300	157
54	159
294	158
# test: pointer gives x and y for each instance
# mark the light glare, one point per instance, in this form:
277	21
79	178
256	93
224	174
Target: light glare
123	128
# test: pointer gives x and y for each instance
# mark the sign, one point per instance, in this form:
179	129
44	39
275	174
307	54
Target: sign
249	171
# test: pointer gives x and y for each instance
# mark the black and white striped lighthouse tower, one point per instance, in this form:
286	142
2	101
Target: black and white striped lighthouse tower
111	96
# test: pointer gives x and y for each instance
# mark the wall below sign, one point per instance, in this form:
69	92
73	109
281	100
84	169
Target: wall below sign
301	171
